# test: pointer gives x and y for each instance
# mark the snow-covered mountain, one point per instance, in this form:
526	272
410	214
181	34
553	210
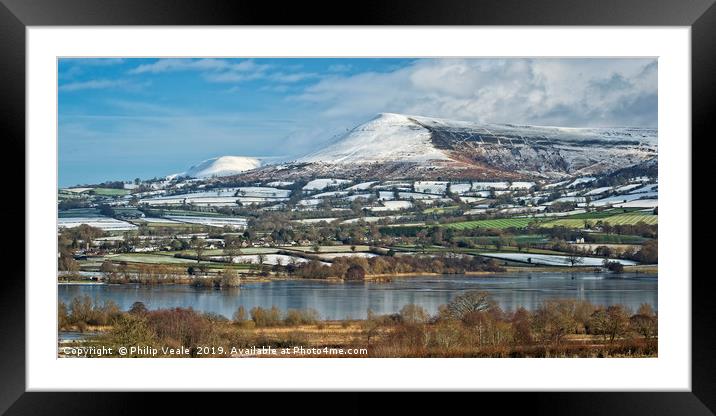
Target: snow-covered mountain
397	146
222	166
397	137
387	137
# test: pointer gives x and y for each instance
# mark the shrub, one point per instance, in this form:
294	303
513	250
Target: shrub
138	308
62	317
266	317
355	272
180	327
239	315
413	314
300	317
613	266
81	310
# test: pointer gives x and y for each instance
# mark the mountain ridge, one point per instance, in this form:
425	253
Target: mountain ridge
398	146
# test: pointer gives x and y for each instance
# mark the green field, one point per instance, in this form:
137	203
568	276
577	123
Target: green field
110	191
474	251
496	223
519	238
621	219
599	214
601	238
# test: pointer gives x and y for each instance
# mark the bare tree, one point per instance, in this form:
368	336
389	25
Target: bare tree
574	258
199	245
473	301
232	247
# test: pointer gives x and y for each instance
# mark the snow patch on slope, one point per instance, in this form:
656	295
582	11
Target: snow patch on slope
386	138
222	166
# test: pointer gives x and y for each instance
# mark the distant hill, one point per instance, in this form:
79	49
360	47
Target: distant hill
395	146
221	166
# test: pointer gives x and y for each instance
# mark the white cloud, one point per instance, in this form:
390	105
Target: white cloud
101	84
568	92
213	70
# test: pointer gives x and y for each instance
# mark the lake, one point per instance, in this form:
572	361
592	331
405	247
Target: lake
352	300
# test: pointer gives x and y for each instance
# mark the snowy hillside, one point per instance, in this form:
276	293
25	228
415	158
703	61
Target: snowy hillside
222	166
414	146
387	137
396	146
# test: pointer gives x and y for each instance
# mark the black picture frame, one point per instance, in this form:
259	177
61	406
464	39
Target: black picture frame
16	15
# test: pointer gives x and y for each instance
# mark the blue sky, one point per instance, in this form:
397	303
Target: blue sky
126	118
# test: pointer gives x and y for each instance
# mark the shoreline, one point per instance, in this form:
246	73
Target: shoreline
648	269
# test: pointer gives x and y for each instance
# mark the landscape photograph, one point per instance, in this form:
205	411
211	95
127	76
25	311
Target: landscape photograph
357	207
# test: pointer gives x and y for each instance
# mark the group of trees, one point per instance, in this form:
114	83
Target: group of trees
268	317
146	273
356	268
82	311
472	324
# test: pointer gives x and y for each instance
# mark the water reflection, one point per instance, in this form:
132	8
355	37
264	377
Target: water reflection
352	300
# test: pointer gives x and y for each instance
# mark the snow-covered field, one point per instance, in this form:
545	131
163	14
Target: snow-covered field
486	186
581	181
357	196
471	199
331	256
372	219
567	199
522	185
233	222
309	202
105	223
320	184
271	259
157	219
430	187
553	260
628	187
361	186
647	188
315	220
191	199
639	203
416	195
597	191
460	188
257	200
436	200
77	190
222	197
617	199
386	195
262	192
392	206
330	194
280	183
519	210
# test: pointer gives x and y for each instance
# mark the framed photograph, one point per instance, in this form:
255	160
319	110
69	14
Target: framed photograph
462	198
